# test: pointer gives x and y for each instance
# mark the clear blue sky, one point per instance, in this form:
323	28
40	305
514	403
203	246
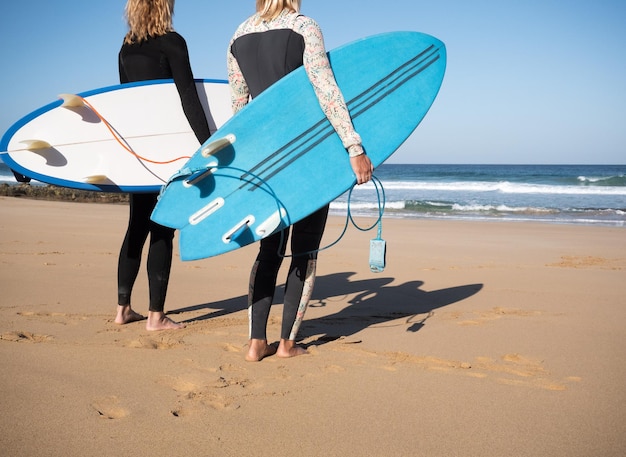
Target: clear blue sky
528	81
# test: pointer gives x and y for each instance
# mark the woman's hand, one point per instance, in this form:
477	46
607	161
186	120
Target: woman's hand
362	168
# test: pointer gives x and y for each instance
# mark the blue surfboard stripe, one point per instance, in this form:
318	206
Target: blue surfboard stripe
406	76
352	105
277	161
329	132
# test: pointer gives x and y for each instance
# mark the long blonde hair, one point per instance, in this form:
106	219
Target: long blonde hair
270	9
146	18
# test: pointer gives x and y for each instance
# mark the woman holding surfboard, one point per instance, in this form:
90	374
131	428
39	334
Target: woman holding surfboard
153	50
267	46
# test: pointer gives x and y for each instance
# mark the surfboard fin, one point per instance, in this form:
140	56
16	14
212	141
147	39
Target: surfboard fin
71	101
95	179
34	145
269	225
238	229
198	176
217	145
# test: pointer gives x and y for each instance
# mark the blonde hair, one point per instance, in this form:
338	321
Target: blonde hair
146	18
270	9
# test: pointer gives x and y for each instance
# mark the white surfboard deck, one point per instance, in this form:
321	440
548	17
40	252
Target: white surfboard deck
82	141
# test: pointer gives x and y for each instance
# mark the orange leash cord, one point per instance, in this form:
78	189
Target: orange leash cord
123	143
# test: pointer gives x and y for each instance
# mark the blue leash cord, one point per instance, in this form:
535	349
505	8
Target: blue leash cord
381	208
377	245
380	191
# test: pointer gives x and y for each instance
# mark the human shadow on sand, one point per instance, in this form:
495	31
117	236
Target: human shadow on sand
375	301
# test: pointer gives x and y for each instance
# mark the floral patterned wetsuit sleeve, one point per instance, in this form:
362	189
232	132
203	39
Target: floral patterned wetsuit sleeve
239	93
316	65
323	80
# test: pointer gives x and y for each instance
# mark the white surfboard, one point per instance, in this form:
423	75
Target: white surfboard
123	138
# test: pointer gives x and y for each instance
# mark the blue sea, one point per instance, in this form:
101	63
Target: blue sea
577	194
573	194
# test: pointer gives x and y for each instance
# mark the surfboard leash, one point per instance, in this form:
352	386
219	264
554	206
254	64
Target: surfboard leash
120	139
377	257
378	248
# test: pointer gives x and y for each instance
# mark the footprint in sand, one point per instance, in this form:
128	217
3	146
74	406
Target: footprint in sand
334	369
184	383
525	371
509	369
19	336
483	317
227	347
54	317
568	261
217	402
198	389
162	341
109	408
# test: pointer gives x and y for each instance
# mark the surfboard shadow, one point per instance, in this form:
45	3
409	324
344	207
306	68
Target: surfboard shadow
235	304
219	309
53	156
85	113
376	302
204	100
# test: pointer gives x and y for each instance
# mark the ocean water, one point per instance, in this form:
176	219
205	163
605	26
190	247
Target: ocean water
582	194
576	194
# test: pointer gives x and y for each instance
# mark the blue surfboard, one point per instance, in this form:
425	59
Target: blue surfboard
279	159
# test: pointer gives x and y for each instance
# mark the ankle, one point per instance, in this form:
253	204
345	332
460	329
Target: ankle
289	348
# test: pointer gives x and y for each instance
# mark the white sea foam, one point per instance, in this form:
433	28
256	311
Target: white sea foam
504	187
343	205
592	179
501	209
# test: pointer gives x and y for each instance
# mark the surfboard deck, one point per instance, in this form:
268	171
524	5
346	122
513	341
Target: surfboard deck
279	159
68	142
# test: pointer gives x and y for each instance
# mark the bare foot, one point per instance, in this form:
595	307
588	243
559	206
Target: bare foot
259	349
289	348
159	321
126	315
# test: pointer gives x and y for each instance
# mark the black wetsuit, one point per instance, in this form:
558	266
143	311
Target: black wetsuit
264	58
161	57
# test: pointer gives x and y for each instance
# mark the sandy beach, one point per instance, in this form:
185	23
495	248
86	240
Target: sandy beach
485	339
